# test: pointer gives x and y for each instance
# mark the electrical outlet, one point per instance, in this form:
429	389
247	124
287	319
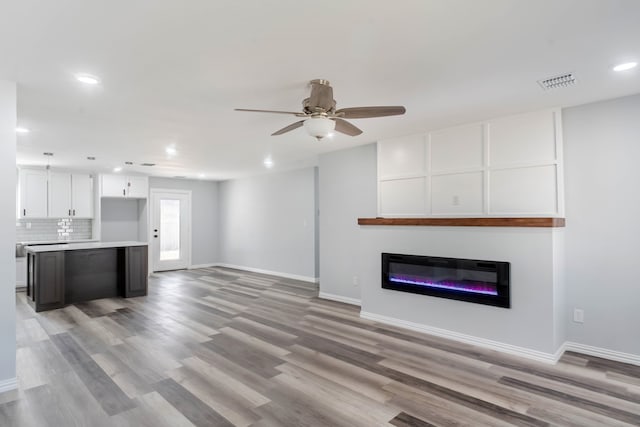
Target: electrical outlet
455	201
578	315
355	281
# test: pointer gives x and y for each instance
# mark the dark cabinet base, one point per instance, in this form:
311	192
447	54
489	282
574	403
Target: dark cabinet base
135	271
45	280
55	279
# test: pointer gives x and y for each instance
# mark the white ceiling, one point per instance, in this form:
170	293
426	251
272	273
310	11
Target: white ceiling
173	71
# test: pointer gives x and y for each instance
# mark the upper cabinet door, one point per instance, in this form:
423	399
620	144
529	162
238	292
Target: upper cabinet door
82	195
138	187
60	195
33	193
113	186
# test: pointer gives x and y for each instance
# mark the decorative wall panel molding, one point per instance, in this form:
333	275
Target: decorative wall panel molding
510	166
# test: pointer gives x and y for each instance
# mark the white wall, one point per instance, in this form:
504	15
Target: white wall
602	174
204	216
267	222
591	264
530	322
347	191
119	220
7	235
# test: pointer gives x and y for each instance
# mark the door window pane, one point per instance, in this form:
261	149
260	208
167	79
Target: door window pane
169	230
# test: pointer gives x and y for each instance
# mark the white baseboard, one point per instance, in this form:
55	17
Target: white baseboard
271	273
196	266
617	356
467	339
339	298
8	385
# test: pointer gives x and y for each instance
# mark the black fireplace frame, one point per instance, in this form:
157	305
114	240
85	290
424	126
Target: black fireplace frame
503	299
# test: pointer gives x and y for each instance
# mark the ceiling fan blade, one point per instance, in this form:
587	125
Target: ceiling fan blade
347	128
271	111
367	112
291	127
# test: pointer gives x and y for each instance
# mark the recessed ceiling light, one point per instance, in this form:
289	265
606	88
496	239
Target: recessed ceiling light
268	162
117	169
201	175
171	151
626	66
22	130
87	79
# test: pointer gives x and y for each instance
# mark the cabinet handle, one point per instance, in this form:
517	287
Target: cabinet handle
69	212
24	212
74	212
124	192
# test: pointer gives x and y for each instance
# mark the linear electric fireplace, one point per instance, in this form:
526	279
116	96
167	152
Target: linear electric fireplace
482	282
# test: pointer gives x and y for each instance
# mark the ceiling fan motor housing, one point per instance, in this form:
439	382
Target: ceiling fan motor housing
321	99
317	110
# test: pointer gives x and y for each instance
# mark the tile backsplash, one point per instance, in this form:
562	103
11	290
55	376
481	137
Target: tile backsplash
28	230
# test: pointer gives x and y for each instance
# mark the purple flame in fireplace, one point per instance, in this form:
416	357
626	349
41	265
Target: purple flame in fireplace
456	285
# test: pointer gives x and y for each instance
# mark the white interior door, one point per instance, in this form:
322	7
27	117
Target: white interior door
170	229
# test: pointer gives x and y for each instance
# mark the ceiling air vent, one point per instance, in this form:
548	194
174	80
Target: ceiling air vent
555	82
147	164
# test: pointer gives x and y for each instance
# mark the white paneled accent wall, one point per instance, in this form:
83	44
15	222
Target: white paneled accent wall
511	166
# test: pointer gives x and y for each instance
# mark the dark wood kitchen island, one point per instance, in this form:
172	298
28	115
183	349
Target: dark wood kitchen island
58	275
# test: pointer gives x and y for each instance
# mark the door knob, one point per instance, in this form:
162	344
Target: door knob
155	235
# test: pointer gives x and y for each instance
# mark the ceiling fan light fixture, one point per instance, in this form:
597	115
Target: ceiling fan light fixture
319	127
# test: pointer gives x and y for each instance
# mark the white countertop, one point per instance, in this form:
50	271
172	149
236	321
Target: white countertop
86	245
49	242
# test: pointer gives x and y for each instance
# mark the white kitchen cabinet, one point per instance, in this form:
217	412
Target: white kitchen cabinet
138	187
82	195
32	189
113	186
59	194
132	187
70	195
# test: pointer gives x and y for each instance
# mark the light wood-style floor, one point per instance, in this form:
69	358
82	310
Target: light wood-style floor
220	347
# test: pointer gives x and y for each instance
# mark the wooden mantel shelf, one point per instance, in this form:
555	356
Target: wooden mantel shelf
466	222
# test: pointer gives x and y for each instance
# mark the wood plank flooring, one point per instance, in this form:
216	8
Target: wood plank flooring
221	347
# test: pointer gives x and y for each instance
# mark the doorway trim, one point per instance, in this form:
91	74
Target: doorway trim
153	192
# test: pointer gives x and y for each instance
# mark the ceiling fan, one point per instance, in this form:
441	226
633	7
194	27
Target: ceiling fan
321	117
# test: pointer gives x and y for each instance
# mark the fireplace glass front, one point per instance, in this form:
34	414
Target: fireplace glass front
482	282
